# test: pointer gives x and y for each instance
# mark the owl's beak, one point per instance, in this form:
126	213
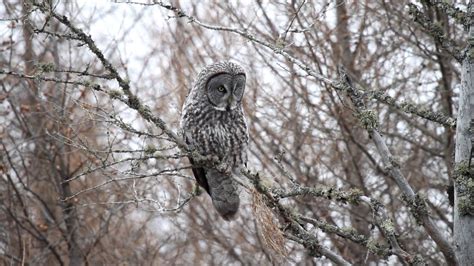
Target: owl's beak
231	103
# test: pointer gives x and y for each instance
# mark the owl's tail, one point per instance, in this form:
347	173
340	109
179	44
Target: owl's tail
224	193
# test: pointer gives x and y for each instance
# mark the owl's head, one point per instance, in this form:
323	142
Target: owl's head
223	84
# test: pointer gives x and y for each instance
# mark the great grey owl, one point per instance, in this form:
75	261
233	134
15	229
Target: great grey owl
213	123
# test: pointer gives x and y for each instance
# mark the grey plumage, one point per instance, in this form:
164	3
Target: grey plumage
213	123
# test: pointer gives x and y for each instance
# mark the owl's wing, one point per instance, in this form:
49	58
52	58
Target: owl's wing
199	172
200	175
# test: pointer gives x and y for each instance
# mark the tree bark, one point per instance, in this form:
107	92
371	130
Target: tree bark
464	191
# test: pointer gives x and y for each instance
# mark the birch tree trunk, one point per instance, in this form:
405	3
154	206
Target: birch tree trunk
464	183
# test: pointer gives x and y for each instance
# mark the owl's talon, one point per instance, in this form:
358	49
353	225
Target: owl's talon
224	168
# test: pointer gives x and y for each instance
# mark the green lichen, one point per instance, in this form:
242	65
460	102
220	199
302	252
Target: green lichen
437	29
466	206
424	111
368	119
408	107
462	169
470	54
45	67
351	196
159	156
373	246
143	109
87	83
292	213
470	40
150	149
470	51
417	261
417	207
313	247
115	94
280	43
464	185
134	103
354	196
460	17
388	227
349	231
394	161
266	182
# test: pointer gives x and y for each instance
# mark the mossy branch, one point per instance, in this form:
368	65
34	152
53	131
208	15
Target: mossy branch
298	233
435	30
351	196
415	109
418	207
457	14
464	178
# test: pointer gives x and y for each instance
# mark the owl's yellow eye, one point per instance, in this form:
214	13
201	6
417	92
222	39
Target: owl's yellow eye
221	89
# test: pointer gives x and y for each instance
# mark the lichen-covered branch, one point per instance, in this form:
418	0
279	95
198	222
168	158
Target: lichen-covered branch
354	196
416	203
464	170
387	227
350	196
436	32
380	96
457	14
415	109
294	223
357	98
125	95
295	231
131	99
